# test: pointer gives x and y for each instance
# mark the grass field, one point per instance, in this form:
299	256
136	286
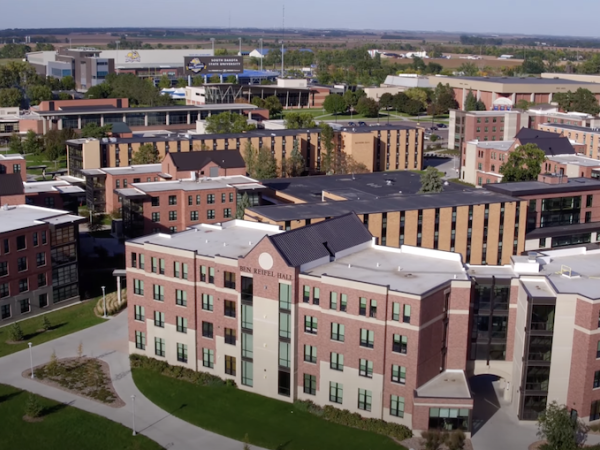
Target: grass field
64	321
62	428
267	422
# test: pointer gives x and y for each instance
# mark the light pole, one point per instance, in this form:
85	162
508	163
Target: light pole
261	53
133	411
31	359
212	40
104	298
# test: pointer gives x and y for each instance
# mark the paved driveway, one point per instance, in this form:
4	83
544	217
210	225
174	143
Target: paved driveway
108	341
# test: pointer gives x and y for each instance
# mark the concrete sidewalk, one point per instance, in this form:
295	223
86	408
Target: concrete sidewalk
108	341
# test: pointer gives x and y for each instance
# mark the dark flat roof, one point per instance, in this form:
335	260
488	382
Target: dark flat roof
571	127
302	211
526	188
354	187
11	184
197	160
523	80
563	230
112	110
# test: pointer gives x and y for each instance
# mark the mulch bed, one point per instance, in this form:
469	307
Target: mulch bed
417	443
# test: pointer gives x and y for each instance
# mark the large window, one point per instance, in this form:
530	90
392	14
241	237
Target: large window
182	324
180	297
207	330
489	326
397	406
310	353
365	368
229	280
247	373
310	324
336	361
159	347
560	211
337	332
208	358
449	419
229	308
207	302
140	340
182	353
310	384
364	399
140	313
64	275
367	338
336	392
400	344
398	374
230	365
285	296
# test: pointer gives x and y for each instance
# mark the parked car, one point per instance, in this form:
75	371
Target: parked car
362	124
433	128
351	124
442	125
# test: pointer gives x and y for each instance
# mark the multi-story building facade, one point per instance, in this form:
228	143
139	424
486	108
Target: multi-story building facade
38	261
85	65
587	138
322	313
379	148
483	126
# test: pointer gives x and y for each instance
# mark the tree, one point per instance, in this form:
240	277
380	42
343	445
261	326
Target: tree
533	66
33	408
559	429
197	81
249	156
297	120
181	82
294	165
67	83
431	181
524	164
10	97
31	143
266	165
231	79
412	107
274	106
64	96
15	145
327	158
227	122
146	154
386	101
470	102
419	94
352	98
16	333
334	104
582	100
241	206
524	104
38	94
91	130
97	223
46	325
399	101
54	142
164	82
367	107
443	99
214	79
469	69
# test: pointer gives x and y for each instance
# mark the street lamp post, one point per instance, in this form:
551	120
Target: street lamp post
133	411
104	299
31	359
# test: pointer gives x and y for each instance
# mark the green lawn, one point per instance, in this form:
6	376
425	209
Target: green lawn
41	160
63	322
62	428
268	423
459	181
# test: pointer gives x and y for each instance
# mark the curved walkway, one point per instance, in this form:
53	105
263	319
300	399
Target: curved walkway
108	341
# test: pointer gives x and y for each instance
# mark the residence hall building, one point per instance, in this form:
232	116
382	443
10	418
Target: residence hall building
483	126
171	206
379	148
484	227
38	260
503	93
588	138
321	313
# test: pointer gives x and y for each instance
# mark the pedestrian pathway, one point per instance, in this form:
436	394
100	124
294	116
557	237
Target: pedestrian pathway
108	341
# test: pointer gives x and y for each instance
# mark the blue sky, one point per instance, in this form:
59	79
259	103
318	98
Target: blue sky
477	16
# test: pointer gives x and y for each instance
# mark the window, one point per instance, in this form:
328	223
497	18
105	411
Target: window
231	197
44	238
159	319
316	296
203	273
155	217
172	199
366	338
333	300
24	306
176	269
43	300
197	199
155	201
400	344
3	269
373	308
598	350
207	302
41	280
140	340
23	285
208	358
4	290
597	379
139	313
285	325
229	280
210	214
21	243
16	168
364	400
343	302
362	309
159	347
230	337
406	315
172	215
211	275
158	292
336	392
229	308
138	287
223	197
207	330
337	332
182	324
310	353
22	264
247	345
306	296
6	246
182	353
310	384
154	265
396	311
35	240
230	365
133	259
365	368
398	374
161	266
589	201
284	355
142	264
285	296
397	406
5	312
210	199
310	324
227	213
193	215
180	297
247	319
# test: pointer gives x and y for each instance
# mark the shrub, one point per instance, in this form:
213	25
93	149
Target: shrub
16	334
46	325
33	408
455	440
52	366
433	439
178	372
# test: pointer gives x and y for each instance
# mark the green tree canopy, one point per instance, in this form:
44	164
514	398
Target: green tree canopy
31	143
67	83
38	94
367	107
260	164
294	164
523	164
164	82
559	429
274	106
399	101
412	107
18	74
15	145
146	154
468	69
472	104
181	82
227	122
443	99
241	206
386	100
54	143
91	130
582	100
297	120
420	94
10	97
231	79
335	104
431	181
533	66
127	85
327	158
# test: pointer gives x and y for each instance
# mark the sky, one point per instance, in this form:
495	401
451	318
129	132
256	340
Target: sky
549	17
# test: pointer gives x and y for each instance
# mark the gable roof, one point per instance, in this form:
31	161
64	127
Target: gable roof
320	240
11	184
550	143
196	160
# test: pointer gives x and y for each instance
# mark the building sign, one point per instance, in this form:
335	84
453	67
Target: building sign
266	273
132	56
204	65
